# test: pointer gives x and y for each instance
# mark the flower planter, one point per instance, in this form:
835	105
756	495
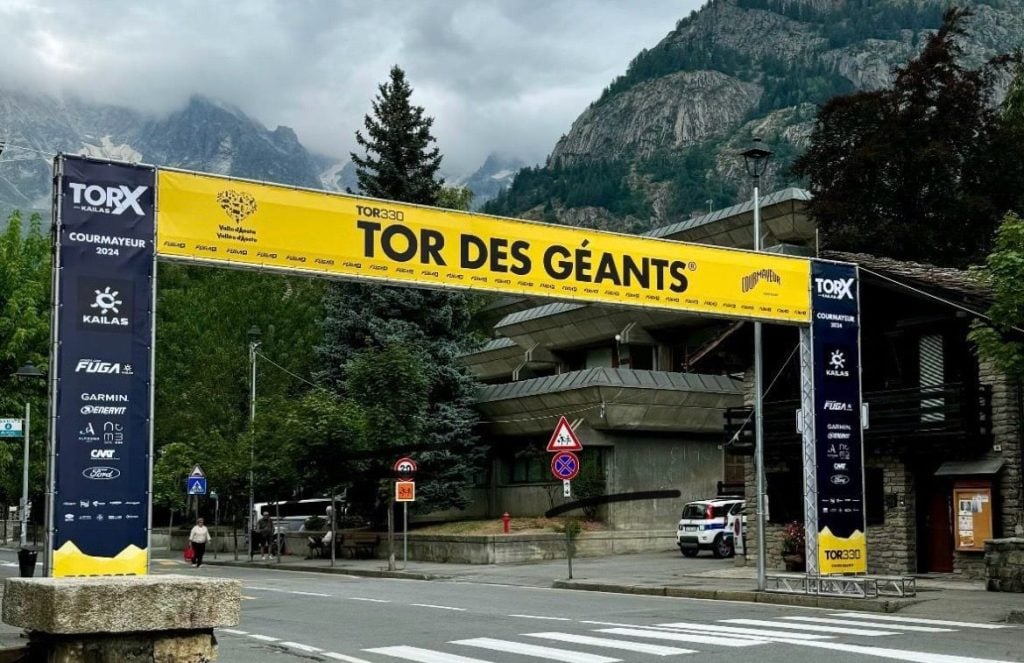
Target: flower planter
795	563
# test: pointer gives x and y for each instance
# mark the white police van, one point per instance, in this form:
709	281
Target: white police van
711	525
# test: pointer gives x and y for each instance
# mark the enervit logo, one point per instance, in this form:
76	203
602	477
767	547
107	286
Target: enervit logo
101	473
104	409
840	479
103	367
102	454
750	281
113	200
834	288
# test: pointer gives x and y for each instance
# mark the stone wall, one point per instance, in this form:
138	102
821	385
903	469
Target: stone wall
892	545
1004	565
1007	439
518	548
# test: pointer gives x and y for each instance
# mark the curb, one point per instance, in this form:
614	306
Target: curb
748	596
337	570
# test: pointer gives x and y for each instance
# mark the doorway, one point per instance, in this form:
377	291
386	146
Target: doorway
934	525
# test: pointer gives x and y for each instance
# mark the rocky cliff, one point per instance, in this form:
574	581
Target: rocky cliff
671	127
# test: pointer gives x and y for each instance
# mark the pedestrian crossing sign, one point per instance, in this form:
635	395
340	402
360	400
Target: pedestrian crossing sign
196	485
564	439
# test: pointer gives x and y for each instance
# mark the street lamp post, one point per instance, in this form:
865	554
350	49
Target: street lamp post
26	371
755	159
254	343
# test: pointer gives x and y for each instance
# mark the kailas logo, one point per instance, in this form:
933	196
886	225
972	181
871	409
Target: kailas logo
836	367
107	199
838	406
104	304
103	367
834	288
238	205
750	281
101	473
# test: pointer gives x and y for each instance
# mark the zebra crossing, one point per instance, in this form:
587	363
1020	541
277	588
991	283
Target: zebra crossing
609	642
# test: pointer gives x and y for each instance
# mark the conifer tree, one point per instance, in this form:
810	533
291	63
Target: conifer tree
394	350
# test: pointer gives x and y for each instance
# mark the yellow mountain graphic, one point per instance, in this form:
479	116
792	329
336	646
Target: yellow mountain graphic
68	560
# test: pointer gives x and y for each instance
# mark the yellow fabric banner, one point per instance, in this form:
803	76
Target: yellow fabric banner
221	220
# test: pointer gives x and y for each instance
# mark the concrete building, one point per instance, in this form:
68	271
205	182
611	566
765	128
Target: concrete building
661	401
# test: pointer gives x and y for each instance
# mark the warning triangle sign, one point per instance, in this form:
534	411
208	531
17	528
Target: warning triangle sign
564	439
197	472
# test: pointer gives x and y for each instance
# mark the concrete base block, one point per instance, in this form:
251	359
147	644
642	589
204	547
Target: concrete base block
163	647
129	604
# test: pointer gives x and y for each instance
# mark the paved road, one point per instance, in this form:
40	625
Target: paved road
290	616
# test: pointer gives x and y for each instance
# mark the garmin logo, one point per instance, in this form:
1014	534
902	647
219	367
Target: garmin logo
113	200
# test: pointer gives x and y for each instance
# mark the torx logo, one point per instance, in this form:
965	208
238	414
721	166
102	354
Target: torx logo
834	288
103	367
113	200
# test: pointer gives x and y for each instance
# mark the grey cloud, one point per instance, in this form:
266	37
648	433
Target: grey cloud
507	75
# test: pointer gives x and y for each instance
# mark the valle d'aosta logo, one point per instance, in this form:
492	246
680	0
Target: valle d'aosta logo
238	205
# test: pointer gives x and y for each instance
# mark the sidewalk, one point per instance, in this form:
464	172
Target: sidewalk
666	574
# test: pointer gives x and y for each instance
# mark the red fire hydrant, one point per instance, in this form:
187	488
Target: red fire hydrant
505	520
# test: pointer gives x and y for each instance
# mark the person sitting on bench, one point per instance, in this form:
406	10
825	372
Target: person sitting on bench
318	546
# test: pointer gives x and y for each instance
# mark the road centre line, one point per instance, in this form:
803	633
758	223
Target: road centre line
438	607
264	638
917	620
301	647
361	598
553	619
311	594
234	631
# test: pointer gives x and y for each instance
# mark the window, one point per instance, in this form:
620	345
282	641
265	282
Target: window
785	497
528	468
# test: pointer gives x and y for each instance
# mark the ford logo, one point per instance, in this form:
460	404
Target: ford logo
101	473
840	479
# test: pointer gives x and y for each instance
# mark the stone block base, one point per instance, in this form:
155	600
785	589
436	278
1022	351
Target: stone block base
196	646
1004	565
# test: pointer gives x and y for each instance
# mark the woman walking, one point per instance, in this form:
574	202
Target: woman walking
198	538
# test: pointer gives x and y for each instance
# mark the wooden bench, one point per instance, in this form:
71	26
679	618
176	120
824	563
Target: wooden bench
358	545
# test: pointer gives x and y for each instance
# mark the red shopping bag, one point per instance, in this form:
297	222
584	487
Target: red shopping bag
189	553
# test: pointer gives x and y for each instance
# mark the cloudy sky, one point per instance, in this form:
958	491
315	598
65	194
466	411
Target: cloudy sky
497	75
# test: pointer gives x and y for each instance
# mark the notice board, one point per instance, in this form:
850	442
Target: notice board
973	522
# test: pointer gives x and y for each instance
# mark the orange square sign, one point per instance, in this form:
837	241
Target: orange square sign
405	491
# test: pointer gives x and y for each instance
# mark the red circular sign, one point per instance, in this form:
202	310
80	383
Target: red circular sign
405	468
565	465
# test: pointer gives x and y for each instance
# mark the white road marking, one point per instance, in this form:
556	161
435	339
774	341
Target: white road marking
917	620
548	653
898	654
553	619
712	629
677	636
342	657
310	594
438	607
809	627
360	598
234	631
641	647
902	627
423	655
264	638
300	647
